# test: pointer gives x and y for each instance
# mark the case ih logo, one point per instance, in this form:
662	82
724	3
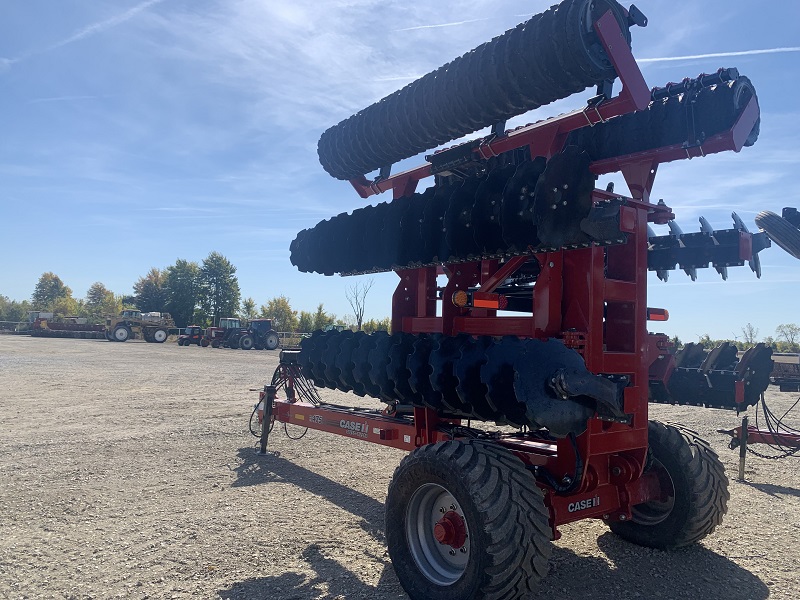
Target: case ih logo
583	504
355	428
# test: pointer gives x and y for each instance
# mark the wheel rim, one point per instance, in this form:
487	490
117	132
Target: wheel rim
272	342
121	334
441	563
654	512
160	335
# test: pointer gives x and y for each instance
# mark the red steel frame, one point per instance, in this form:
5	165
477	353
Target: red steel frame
594	299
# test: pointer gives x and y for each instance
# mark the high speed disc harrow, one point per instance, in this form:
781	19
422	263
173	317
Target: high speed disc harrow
522	302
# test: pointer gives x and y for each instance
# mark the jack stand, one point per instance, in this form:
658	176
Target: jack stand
742	447
269	398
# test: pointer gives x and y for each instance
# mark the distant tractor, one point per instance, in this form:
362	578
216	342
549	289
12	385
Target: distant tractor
259	335
214	336
152	326
193	334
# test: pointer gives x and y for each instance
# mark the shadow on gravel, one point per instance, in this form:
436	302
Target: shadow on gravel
776	491
627	572
259	469
635	572
330	580
630	572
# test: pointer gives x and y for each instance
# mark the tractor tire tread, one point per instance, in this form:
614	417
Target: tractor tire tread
705	484
517	522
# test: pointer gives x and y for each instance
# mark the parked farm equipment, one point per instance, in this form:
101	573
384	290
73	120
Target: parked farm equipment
193	334
258	334
514	223
786	372
214	336
153	327
45	324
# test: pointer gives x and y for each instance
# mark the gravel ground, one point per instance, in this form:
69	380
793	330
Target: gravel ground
127	471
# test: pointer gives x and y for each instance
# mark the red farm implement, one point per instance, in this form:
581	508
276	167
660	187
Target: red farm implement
541	324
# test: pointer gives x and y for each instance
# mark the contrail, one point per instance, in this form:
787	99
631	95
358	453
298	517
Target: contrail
100	26
440	25
103	25
719	55
64	98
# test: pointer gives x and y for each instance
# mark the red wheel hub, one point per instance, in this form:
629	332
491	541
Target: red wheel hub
450	530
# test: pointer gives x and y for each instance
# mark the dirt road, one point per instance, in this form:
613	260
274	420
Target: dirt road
127	471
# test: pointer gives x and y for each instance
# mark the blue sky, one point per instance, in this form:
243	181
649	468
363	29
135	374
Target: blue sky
138	132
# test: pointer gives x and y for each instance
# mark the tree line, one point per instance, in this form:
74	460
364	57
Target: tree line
193	293
786	339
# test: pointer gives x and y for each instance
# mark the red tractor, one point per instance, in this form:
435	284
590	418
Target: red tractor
542	323
214	336
193	334
258	335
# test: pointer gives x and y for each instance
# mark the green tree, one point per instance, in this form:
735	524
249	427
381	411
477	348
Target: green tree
249	309
150	291
305	322
322	319
219	288
48	289
280	311
65	306
374	325
183	286
13	311
5	305
788	332
100	301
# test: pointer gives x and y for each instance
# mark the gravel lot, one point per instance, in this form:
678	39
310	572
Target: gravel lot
127	471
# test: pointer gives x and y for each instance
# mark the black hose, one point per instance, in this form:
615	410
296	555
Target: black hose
560	488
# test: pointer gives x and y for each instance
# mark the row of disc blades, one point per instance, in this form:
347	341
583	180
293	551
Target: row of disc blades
511	210
504	380
549	57
495	214
709	111
709	377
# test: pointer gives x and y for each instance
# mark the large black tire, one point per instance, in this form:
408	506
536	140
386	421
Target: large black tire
504	545
246	342
781	231
121	333
159	336
272	341
698	497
